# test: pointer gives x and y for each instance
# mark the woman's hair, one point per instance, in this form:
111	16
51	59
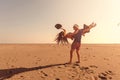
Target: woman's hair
60	38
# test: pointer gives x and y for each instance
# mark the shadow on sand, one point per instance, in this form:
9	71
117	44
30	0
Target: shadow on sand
8	73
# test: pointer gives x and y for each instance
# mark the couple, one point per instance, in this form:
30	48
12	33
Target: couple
76	37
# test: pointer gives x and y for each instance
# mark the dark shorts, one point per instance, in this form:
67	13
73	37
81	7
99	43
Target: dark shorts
75	45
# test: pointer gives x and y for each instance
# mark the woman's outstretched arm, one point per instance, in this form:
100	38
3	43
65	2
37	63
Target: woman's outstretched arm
87	29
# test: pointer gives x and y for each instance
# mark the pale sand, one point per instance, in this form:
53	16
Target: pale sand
47	62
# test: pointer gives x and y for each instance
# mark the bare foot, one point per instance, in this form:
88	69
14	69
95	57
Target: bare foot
77	61
69	62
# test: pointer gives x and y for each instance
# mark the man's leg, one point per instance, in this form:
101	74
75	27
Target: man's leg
78	55
77	51
71	55
73	46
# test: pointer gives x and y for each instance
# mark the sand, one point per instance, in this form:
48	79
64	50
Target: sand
48	62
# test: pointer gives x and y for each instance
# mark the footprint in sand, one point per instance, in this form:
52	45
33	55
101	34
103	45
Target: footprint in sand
106	59
93	56
85	59
12	66
84	68
87	48
22	76
76	64
106	75
109	72
38	59
61	66
94	78
44	73
102	77
57	78
118	55
93	66
87	70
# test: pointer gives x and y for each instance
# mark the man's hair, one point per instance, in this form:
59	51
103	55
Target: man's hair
75	25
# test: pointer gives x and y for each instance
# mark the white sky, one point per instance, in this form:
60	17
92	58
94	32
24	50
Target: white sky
32	21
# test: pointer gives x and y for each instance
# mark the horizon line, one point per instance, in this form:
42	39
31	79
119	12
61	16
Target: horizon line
56	43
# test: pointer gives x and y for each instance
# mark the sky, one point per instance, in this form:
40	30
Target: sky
32	21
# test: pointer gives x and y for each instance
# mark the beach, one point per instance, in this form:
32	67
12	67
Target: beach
48	62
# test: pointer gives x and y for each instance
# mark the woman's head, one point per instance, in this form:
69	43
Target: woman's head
61	38
61	33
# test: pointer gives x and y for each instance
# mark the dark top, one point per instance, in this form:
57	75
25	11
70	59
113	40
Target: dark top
78	36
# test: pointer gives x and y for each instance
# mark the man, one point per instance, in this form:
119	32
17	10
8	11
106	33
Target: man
77	35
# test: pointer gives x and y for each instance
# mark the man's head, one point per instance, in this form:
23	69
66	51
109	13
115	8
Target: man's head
75	27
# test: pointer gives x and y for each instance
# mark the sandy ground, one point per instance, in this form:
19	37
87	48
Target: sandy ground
48	62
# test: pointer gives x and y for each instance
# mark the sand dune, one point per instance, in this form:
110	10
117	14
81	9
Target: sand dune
48	62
